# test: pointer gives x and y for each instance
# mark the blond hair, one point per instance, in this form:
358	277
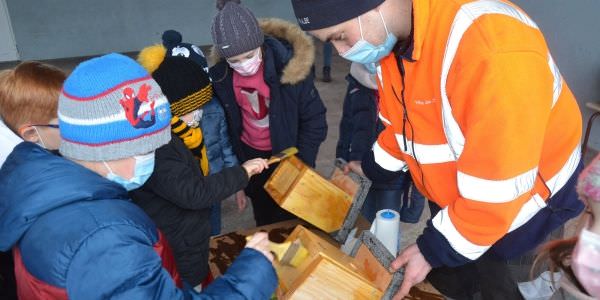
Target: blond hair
29	94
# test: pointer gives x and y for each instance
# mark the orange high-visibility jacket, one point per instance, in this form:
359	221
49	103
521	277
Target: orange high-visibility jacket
491	129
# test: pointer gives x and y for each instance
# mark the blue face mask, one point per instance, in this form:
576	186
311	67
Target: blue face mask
368	54
144	166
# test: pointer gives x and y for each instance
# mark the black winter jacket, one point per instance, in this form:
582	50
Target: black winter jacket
178	199
296	112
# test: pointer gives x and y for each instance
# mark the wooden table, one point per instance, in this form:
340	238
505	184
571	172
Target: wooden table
225	248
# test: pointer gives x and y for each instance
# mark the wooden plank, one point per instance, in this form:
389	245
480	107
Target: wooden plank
326	278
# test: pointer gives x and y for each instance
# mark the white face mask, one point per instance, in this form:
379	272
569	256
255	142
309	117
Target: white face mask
248	67
586	262
40	136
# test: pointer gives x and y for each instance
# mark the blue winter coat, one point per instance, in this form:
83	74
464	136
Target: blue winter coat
78	233
296	112
216	137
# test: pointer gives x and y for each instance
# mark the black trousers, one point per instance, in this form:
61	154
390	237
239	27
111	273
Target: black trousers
8	287
266	210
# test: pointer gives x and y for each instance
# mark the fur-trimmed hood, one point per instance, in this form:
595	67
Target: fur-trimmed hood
299	65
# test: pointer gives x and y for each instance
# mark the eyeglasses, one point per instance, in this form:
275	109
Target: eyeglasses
47	125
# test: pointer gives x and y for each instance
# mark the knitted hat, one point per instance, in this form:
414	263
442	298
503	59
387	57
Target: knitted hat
318	14
185	84
109	109
234	29
171	39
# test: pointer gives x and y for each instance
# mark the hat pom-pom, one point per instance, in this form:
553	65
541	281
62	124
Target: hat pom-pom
221	3
171	38
151	57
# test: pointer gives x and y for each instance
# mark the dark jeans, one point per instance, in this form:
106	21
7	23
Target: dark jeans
215	219
399	195
327	52
266	210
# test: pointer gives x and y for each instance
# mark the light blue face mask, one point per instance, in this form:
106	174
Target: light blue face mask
144	166
368	54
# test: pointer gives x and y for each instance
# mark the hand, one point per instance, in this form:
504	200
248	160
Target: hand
355	167
255	166
260	243
416	268
240	198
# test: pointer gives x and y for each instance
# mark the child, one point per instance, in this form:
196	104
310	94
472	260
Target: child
359	129
213	124
579	258
29	100
265	87
180	194
72	227
28	104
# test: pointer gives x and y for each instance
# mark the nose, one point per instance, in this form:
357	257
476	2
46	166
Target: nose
340	46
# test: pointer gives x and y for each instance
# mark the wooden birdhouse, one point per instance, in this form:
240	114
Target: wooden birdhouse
329	204
328	273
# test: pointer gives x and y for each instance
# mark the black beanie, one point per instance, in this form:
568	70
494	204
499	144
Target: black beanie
185	84
318	14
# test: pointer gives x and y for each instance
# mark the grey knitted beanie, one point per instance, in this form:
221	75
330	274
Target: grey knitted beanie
234	29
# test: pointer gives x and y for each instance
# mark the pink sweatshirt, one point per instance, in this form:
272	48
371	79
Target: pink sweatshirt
252	95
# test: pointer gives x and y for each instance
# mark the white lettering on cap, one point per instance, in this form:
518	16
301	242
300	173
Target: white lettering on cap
304	21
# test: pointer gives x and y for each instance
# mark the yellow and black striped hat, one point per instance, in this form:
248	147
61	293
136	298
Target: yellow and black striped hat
184	82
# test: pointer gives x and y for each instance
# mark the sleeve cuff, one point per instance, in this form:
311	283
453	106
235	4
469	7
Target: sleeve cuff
436	249
375	172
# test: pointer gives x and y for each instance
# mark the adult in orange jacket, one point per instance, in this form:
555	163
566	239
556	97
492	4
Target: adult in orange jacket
477	110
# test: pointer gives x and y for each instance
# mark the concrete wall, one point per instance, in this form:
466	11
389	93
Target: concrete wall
47	29
8	51
572	31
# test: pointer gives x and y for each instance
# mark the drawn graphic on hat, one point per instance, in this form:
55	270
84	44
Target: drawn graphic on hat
180	51
132	103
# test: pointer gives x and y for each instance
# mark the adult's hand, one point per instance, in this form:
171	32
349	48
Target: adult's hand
355	167
415	269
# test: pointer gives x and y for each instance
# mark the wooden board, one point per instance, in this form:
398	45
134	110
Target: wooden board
326	278
303	192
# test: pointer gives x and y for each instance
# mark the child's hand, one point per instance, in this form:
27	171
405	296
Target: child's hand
255	166
240	198
355	167
260	243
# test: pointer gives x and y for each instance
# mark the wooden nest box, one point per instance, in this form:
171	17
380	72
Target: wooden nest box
324	203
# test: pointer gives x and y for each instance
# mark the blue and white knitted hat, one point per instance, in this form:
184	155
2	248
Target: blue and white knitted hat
110	108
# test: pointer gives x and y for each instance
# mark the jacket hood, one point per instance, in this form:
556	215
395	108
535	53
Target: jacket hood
34	182
297	67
